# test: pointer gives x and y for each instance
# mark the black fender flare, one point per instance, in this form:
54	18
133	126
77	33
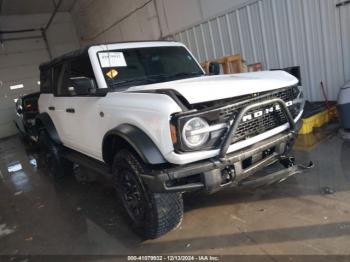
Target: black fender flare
138	140
43	120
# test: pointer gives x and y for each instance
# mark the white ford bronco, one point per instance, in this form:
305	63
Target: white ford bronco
146	115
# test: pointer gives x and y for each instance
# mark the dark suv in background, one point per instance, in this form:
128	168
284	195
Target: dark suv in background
26	111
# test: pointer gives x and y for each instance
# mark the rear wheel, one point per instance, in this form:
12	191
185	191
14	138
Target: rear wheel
57	166
150	214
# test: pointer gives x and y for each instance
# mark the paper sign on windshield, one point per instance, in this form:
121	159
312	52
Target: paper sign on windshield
112	59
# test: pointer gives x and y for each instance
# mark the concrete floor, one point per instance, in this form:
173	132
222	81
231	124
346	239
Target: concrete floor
38	216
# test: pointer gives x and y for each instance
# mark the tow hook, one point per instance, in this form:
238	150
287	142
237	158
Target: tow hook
228	175
287	162
276	177
309	166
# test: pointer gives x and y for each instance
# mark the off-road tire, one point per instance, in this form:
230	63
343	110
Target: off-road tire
50	153
160	212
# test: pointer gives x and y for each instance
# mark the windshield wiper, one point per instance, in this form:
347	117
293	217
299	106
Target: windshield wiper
162	76
129	81
152	78
187	74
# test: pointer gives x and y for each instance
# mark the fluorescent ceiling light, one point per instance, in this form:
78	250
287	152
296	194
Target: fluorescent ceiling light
14	168
16	86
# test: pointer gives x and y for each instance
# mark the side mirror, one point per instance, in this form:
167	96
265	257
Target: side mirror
19	111
214	69
82	86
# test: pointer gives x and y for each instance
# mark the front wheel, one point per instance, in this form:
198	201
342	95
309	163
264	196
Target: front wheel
150	214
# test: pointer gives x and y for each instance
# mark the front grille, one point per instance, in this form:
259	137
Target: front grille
267	121
259	125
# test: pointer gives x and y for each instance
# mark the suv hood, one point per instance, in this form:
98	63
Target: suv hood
210	88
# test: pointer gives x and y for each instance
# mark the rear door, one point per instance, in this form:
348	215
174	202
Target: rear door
57	105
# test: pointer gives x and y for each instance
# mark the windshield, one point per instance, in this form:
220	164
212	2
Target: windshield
129	67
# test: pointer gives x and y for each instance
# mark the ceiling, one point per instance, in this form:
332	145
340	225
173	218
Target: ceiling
25	7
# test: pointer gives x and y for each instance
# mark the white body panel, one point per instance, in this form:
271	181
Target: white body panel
210	88
84	131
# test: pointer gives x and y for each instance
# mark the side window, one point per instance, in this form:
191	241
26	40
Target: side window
79	67
46	81
60	74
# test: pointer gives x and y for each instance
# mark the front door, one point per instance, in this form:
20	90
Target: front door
80	113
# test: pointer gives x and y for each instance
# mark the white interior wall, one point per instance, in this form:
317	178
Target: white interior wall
99	21
20	59
180	14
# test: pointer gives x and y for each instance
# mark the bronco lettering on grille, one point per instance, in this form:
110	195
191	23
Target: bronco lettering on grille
260	113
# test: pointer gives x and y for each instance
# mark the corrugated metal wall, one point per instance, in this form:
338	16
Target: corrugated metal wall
281	33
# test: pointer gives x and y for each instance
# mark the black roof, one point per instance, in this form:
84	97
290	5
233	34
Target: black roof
83	51
31	95
67	56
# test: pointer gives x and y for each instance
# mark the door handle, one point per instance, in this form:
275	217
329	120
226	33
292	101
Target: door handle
52	108
70	110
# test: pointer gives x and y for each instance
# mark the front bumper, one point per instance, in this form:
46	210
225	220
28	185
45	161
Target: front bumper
234	169
212	175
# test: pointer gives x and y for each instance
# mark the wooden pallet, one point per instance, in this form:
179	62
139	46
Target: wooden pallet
230	64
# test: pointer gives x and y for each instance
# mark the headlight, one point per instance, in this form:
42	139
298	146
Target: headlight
298	103
301	97
195	132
